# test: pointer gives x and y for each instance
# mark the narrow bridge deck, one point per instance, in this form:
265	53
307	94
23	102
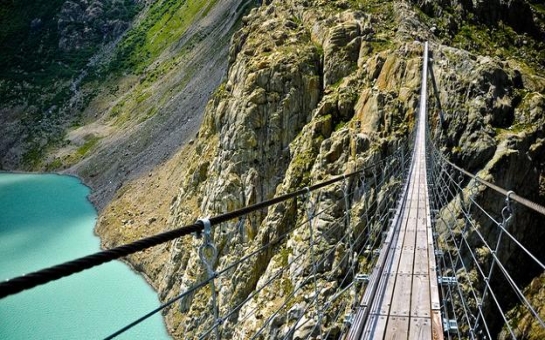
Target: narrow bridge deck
402	299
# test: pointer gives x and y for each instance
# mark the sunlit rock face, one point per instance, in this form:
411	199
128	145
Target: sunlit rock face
315	89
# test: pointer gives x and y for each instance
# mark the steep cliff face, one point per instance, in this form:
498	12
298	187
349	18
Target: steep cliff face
314	89
286	117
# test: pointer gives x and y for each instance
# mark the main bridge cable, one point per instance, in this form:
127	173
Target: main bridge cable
233	265
46	275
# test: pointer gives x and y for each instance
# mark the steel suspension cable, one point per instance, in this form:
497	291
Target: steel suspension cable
207	281
203	283
40	277
496	260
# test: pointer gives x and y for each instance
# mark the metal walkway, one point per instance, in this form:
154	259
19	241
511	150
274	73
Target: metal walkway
402	299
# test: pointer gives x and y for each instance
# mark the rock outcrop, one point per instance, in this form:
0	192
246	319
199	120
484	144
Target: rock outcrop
84	24
313	89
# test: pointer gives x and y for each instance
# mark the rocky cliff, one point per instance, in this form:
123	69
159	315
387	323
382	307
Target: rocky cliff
304	90
314	89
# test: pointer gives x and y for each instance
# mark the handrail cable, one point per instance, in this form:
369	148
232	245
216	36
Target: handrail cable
266	284
454	263
475	261
359	253
43	276
323	258
248	256
329	252
470	223
510	280
443	186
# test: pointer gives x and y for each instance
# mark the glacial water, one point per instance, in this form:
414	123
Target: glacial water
46	220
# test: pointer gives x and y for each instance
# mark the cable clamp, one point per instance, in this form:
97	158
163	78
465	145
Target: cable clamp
208	251
507	211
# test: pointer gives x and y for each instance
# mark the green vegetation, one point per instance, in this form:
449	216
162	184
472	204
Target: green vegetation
33	156
32	62
540	8
56	164
284	256
501	41
90	142
163	25
46	44
372	6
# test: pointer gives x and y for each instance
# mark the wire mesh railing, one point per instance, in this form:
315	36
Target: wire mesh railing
482	250
339	228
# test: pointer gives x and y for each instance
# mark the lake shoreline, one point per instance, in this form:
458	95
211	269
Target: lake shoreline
92	212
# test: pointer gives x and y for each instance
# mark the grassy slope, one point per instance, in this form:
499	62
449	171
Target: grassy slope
36	75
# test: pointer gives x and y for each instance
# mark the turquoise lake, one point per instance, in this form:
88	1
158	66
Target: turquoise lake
46	220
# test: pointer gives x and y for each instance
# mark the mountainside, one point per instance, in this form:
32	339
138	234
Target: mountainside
315	89
115	88
46	51
191	109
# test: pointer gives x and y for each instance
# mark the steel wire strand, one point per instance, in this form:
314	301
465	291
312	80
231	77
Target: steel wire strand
335	296
157	239
205	282
247	299
328	303
362	249
524	201
476	265
505	273
514	287
472	288
301	224
519	293
256	291
340	309
438	194
43	276
460	294
531	205
323	258
517	242
517	198
447	294
361	234
511	237
332	270
489	289
483	210
40	277
453	265
219	273
268	245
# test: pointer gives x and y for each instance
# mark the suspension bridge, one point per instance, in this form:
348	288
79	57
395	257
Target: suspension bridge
403	255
